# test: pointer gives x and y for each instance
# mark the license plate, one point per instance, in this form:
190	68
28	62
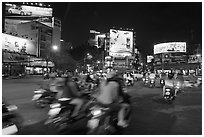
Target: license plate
93	123
9	130
37	96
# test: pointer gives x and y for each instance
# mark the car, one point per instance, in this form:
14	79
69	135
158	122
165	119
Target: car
19	11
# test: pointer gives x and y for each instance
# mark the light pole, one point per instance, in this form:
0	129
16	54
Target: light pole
54	48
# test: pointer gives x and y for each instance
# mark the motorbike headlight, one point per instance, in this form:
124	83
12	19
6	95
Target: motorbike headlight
96	112
64	99
39	91
168	89
55	105
54	111
12	107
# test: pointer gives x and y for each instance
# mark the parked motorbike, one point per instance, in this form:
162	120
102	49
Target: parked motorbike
169	94
10	121
103	121
43	97
152	83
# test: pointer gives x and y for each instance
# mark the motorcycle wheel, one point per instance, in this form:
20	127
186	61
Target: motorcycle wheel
103	129
61	125
169	100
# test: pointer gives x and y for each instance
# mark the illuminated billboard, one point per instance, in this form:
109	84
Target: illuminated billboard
195	59
121	43
149	58
17	44
170	47
25	10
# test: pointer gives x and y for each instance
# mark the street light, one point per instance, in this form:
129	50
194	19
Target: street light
55	47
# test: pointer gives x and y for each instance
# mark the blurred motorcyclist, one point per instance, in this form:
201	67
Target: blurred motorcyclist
70	90
152	75
110	93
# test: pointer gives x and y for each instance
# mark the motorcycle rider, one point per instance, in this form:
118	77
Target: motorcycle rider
110	93
169	82
70	90
152	75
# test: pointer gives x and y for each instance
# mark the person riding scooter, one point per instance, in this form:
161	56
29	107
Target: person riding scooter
109	96
169	82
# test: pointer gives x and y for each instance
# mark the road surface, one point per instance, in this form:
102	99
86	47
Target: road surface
150	115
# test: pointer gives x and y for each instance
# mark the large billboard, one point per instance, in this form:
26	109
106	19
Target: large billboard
121	43
17	44
170	47
26	10
19	13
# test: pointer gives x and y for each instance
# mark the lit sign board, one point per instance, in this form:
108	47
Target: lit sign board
194	59
17	44
24	10
121	43
170	47
149	58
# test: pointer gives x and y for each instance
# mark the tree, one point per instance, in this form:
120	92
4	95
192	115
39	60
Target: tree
62	58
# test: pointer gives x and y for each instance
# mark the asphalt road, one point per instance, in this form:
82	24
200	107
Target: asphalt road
150	115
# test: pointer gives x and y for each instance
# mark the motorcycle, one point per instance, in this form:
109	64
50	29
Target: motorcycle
169	94
59	115
43	97
146	81
102	121
129	83
178	87
152	83
162	82
10	122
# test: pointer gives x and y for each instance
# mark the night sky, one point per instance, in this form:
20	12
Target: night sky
153	22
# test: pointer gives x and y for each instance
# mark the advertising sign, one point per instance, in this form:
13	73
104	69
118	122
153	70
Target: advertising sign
121	43
149	59
170	47
20	45
194	59
25	10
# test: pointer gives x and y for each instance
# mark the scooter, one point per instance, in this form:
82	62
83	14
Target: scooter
152	83
146	81
43	97
102	121
59	115
169	94
10	124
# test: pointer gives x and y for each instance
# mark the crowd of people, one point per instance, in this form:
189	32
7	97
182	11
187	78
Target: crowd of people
108	93
108	89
